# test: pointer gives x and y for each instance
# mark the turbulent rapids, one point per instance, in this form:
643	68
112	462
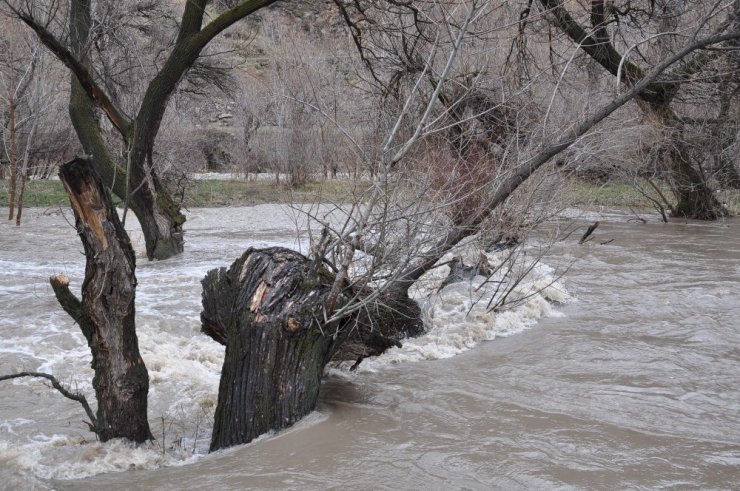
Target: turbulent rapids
185	365
629	360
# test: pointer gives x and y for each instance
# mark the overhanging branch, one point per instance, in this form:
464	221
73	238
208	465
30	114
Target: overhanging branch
508	186
75	396
119	120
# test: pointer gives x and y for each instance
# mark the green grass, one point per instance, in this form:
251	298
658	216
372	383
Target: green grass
619	194
210	194
204	194
587	193
38	194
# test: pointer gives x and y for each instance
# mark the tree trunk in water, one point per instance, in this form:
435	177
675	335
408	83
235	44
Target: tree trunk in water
106	314
694	197
159	216
21	192
267	309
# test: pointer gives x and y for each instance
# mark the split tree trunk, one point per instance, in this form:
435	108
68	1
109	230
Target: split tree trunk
268	310
106	314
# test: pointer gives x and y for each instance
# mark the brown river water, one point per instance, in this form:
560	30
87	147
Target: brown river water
632	383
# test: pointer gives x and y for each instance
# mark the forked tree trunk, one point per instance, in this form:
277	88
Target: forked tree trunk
267	308
106	314
159	216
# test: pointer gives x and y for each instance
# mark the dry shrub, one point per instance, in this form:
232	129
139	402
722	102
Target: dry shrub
462	183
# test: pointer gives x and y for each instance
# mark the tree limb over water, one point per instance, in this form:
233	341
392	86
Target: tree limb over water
75	396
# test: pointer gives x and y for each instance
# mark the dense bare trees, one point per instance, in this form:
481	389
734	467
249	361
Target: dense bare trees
457	149
22	95
127	165
625	38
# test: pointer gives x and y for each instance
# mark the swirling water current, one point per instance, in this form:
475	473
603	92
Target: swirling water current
634	383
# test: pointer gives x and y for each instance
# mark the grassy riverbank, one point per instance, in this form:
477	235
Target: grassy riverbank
215	193
203	194
615	194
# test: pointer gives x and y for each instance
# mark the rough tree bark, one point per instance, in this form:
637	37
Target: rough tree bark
268	307
268	310
106	312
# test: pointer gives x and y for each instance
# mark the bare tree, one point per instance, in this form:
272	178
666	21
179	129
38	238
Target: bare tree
282	316
132	176
618	34
20	94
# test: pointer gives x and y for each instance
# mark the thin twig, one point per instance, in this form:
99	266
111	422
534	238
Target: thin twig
93	425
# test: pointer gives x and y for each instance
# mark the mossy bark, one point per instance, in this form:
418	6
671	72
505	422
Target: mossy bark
159	216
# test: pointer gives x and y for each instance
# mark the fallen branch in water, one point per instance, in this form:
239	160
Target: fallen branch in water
588	233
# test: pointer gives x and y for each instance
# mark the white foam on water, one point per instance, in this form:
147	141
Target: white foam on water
459	316
63	457
184	365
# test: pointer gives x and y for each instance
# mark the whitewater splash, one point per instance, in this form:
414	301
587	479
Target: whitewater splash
184	365
460	315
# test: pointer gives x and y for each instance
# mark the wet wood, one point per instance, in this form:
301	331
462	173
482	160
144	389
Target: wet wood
590	230
106	312
268	310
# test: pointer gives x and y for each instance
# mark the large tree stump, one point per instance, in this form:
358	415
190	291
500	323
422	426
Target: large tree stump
106	313
268	310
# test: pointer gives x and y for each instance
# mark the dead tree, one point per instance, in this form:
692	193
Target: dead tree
106	312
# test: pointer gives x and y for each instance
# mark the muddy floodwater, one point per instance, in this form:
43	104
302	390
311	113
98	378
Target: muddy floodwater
629	380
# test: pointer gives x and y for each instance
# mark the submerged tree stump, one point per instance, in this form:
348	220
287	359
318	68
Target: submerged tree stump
106	313
268	310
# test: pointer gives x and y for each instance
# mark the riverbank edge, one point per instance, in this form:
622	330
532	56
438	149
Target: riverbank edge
215	193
